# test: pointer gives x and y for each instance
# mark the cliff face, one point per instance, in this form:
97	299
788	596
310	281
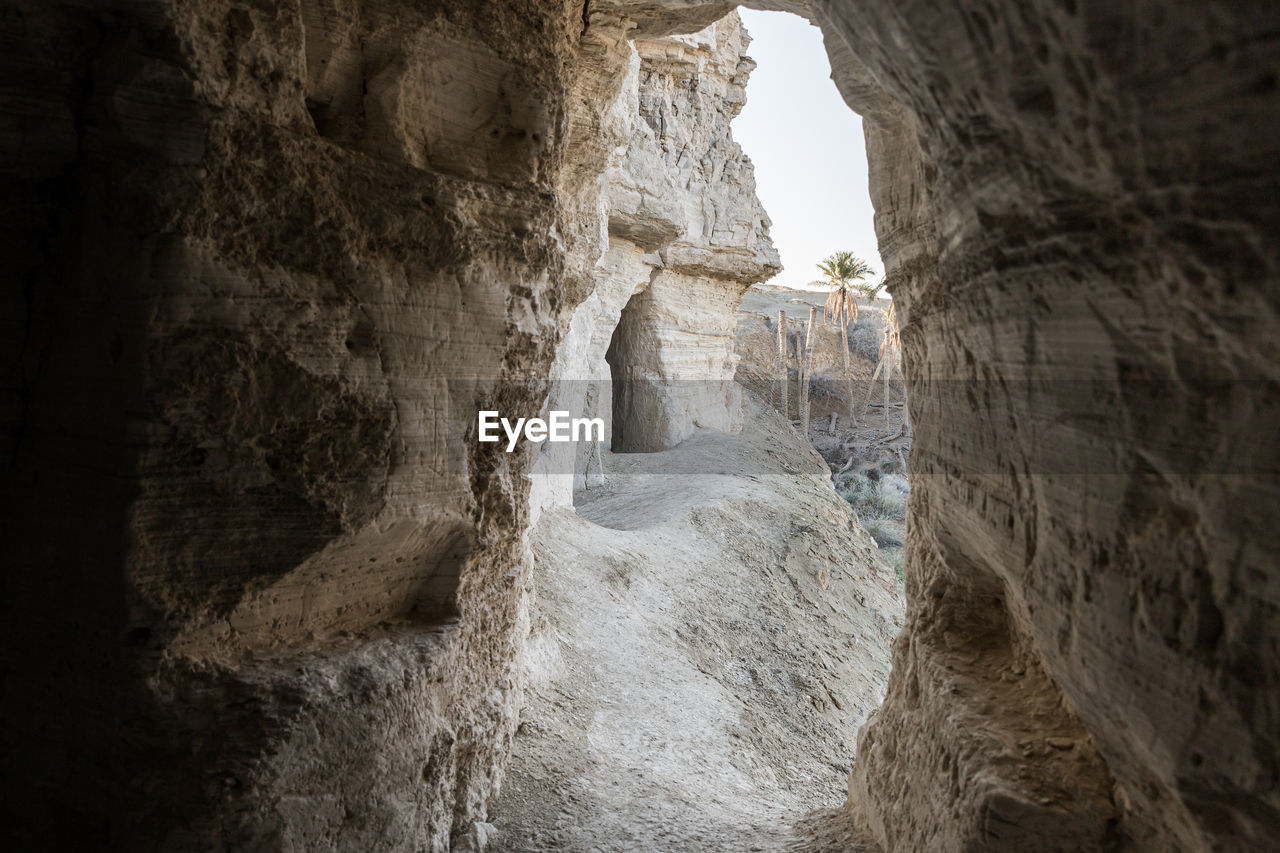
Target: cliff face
672	353
651	349
1070	203
271	263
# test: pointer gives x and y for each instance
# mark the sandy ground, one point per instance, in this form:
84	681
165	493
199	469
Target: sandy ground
711	627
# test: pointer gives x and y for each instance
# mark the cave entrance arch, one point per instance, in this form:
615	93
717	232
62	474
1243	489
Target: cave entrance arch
711	503
636	408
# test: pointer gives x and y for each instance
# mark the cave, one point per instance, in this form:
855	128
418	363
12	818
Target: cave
627	427
263	587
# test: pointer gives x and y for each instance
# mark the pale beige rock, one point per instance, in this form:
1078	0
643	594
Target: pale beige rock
687	235
1031	250
267	594
583	382
672	356
673	362
710	627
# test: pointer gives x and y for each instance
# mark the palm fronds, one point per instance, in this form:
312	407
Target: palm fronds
841	307
891	344
845	271
869	290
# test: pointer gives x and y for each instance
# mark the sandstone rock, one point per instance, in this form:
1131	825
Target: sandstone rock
283	255
1069	549
672	355
680	186
476	839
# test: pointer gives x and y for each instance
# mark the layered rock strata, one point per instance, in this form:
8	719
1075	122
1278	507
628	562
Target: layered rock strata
267	260
651	349
1071	202
268	590
672	354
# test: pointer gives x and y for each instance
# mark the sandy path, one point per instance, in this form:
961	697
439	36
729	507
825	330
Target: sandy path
710	629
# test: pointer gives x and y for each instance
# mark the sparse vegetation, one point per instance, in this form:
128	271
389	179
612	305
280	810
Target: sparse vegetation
882	534
880	511
863	491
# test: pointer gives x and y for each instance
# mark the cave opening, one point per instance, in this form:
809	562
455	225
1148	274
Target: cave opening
264	588
720	553
628	415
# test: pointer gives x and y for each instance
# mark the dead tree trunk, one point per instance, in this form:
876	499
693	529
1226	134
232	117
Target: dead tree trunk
906	410
799	374
806	365
782	360
848	374
871	386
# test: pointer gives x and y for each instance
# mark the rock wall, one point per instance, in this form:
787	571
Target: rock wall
266	261
1071	202
672	354
266	591
651	349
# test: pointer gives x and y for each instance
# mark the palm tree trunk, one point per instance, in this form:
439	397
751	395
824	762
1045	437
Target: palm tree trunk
848	374
887	370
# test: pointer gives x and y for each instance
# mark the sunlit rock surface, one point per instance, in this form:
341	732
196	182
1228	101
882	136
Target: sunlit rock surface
651	350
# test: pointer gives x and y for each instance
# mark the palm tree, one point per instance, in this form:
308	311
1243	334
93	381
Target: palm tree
868	290
845	273
892	343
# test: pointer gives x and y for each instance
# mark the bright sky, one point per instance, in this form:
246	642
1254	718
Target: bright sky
806	144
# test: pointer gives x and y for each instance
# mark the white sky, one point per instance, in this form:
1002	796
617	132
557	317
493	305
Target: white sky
806	144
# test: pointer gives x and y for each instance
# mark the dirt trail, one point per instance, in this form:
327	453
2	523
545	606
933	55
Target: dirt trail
711	628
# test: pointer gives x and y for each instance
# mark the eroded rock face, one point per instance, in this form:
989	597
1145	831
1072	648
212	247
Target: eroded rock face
671	356
651	349
273	262
269	260
1076	247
